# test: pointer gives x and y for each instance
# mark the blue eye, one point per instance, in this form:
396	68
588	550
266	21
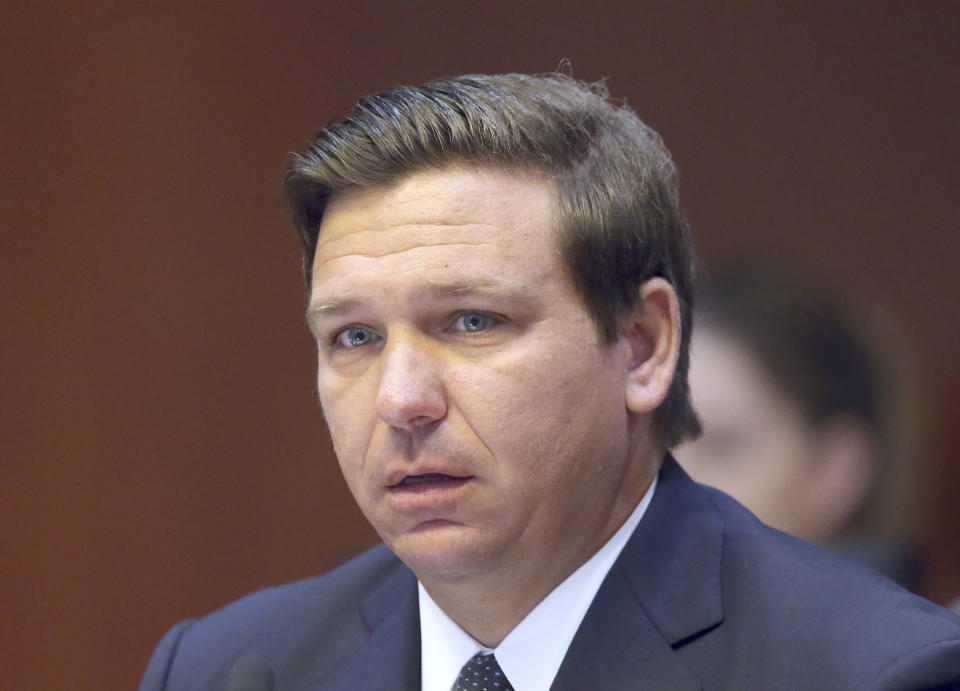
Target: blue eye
473	322
354	336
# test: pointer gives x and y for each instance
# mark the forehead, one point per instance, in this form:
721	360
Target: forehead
451	207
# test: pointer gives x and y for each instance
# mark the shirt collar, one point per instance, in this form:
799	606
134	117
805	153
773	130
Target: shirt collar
531	653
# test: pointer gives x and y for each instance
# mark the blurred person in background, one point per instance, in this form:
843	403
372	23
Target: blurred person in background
807	419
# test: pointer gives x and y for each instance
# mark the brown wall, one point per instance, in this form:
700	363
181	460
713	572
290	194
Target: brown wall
162	451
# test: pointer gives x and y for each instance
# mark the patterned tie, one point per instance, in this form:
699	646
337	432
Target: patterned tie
482	673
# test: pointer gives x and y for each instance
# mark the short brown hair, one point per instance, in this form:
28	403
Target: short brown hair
619	214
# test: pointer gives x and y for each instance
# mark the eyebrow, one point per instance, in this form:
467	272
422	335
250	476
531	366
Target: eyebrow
331	307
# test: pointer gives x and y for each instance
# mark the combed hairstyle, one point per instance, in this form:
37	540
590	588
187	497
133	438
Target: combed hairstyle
618	212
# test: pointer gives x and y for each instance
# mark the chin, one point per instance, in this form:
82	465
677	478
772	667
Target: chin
448	553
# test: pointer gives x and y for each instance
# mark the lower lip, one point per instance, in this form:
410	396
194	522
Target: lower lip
430	493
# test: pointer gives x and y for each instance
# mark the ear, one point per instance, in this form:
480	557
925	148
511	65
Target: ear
652	331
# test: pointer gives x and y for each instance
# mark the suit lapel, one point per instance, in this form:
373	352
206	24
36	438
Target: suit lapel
618	647
389	658
663	591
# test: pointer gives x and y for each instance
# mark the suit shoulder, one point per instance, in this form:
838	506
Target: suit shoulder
296	622
341	588
792	570
836	616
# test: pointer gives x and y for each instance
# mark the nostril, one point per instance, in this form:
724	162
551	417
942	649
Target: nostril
411	407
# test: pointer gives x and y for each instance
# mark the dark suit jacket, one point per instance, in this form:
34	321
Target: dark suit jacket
703	596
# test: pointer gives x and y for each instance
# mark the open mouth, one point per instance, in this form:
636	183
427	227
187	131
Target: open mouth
430	481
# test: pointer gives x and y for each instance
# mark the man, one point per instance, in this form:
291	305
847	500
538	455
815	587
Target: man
500	289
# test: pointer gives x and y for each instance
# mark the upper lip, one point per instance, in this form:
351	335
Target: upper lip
395	477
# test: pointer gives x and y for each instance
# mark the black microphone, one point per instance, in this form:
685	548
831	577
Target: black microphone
250	673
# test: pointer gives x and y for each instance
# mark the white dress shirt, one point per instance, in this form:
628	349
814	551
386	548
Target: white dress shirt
531	653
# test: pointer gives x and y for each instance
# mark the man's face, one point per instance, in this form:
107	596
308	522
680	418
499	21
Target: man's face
478	419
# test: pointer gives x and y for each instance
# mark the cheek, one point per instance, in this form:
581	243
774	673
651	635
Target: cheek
532	414
349	425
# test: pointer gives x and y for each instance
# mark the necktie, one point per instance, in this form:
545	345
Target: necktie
482	673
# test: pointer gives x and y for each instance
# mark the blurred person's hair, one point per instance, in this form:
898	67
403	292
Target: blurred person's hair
832	355
619	218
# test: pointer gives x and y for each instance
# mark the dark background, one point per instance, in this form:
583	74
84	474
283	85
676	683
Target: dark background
162	449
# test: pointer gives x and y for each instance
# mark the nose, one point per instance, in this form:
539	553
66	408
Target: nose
411	394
